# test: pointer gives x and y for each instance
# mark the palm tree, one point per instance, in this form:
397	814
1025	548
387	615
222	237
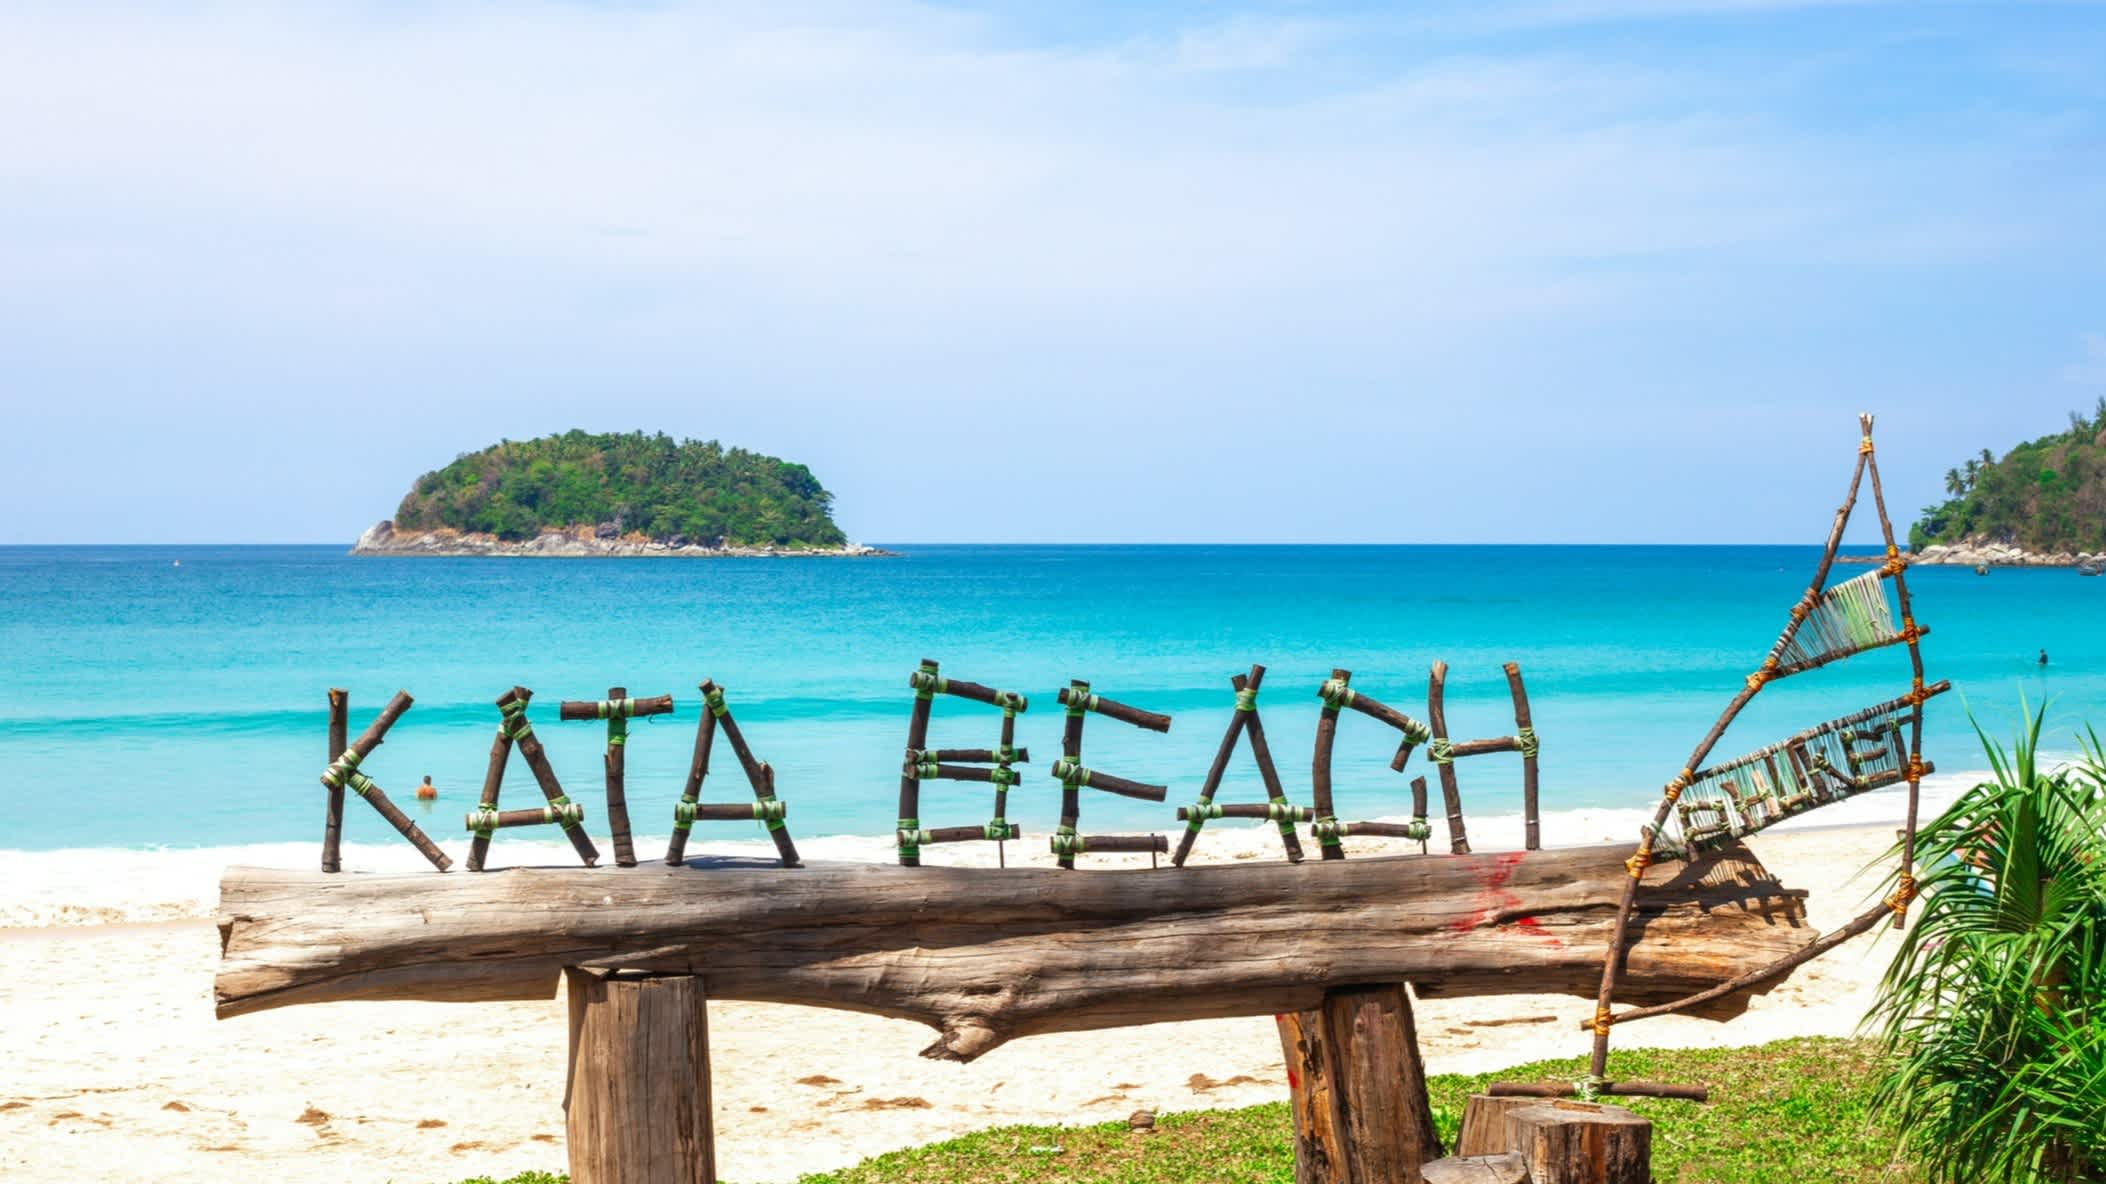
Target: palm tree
1974	469
1953	484
1988	458
1994	1010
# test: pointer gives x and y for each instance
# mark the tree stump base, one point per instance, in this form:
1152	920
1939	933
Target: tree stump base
1477	1169
1484	1124
636	1103
1581	1143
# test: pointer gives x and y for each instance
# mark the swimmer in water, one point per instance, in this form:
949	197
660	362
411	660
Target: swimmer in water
2043	657
427	791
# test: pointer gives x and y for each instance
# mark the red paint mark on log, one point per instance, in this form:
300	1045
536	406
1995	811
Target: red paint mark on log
1495	874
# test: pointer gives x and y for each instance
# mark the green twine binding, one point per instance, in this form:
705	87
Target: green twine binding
714	700
909	837
926	682
1067	842
1080	701
1003	775
1418	828
1441	751
1070	773
482	822
1001	829
1526	738
1326	831
1010	702
558	802
1335	694
341	768
617	730
770	811
1415	732
1198	812
359	783
683	815
1247	699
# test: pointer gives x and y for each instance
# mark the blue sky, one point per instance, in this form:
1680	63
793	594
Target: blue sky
1576	270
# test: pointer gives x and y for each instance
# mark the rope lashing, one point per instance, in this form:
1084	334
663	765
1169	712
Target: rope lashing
1070	773
1763	674
1010	702
1418	828
1441	751
1278	810
771	811
1638	862
683	815
512	724
1916	768
1864	446
1080	701
1327	831
1589	1087
1896	562
567	812
1917	694
1335	694
1904	892
1681	782
1247	699
1530	744
714	700
1003	754
359	783
1001	829
910	837
616	708
340	769
920	770
1602	1020
1067	842
482	823
925	681
1197	813
1004	775
617	730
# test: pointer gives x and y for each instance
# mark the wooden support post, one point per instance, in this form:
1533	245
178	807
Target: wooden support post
1525	737
1505	1168
1071	751
636	1098
1358	1087
333	821
493	781
1582	1143
1439	752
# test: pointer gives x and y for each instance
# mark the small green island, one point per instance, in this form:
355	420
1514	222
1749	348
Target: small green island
2043	504
613	494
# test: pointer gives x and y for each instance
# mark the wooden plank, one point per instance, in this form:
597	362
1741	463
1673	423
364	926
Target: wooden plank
985	955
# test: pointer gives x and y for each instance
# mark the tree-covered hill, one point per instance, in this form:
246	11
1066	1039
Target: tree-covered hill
2048	495
689	490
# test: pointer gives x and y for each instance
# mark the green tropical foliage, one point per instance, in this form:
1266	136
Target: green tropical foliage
1993	1014
687	490
2046	495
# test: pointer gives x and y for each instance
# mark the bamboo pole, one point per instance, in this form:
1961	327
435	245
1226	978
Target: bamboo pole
1525	739
481	821
924	681
512	705
493	783
1076	699
1074	776
1270	774
617	709
1439	752
333	819
1219	769
1897	566
1603	1017
1327	829
691	792
760	775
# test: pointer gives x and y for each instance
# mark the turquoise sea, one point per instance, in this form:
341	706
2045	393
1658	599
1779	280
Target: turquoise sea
173	696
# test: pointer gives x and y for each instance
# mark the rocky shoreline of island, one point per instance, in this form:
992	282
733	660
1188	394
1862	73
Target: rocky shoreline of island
581	542
1987	553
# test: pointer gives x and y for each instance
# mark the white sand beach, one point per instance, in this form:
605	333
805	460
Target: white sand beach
117	1070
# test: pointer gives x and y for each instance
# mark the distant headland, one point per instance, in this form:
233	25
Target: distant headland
581	494
2043	504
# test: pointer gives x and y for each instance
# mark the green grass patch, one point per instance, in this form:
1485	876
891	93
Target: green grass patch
1794	1110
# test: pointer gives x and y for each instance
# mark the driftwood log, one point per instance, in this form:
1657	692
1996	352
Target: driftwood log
985	956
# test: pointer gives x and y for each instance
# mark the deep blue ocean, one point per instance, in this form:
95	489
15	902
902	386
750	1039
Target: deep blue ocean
175	695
